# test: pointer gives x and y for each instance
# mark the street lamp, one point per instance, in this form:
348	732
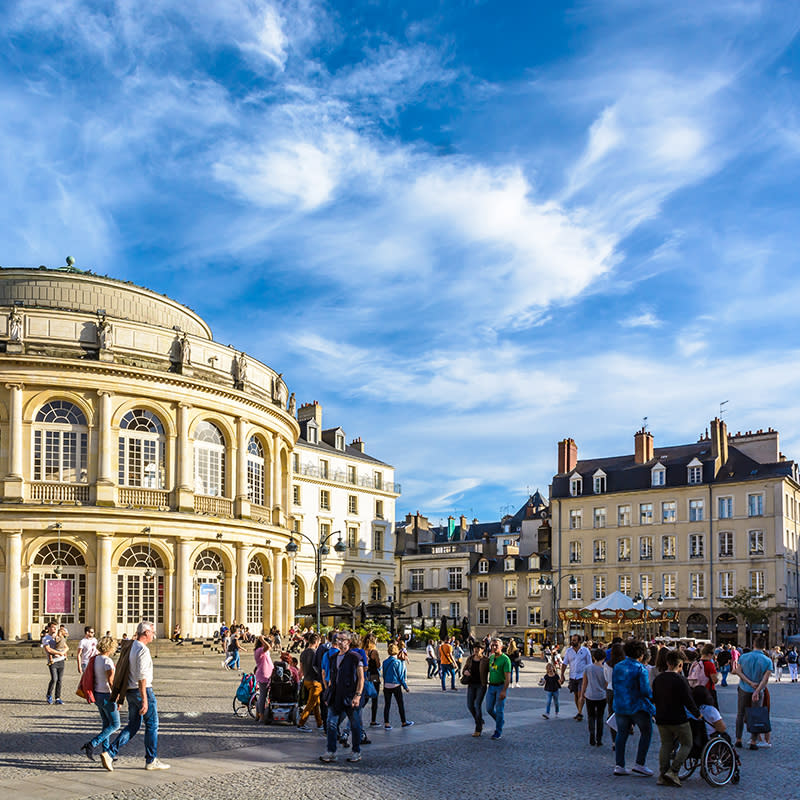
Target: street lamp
640	598
320	549
547	583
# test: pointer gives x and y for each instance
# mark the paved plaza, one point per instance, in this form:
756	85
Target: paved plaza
216	755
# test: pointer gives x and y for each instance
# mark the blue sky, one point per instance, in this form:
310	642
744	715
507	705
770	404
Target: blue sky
469	229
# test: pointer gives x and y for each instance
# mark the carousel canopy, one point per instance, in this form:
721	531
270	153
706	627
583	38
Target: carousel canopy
616	601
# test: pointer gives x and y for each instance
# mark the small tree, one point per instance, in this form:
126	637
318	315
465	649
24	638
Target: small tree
748	604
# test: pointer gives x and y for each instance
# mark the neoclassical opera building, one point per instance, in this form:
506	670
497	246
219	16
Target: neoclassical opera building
146	468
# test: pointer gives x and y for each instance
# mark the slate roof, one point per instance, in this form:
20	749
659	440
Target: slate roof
349	451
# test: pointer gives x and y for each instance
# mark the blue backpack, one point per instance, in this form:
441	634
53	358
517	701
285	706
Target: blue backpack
246	688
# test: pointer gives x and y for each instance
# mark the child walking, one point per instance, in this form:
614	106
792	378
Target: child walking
551	683
593	690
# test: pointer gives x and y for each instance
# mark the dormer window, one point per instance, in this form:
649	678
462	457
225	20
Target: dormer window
599	482
509	565
694	472
339	440
658	475
312	434
533	562
506	527
576	486
483	567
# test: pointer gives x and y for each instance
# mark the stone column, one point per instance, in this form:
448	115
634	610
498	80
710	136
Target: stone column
106	591
14	484
242	501
242	563
13	620
105	484
276	481
185	593
184	499
278	589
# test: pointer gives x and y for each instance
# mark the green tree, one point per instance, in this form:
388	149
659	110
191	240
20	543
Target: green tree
749	605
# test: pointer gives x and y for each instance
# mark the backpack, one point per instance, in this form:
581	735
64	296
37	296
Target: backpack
697	674
247	687
791	656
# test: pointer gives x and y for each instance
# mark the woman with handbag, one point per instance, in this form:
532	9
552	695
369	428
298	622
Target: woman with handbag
373	677
476	677
394	683
102	679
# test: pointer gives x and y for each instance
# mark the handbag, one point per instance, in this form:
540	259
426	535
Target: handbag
465	678
370	691
757	718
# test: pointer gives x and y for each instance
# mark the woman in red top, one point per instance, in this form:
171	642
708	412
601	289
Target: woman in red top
710	669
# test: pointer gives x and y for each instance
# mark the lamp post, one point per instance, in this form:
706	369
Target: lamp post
640	598
320	549
547	583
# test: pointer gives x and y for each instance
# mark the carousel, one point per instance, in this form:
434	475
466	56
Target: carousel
618	615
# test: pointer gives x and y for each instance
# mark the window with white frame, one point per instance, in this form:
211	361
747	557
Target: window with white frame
324	469
623	516
646	548
511	615
508	564
311	433
724	507
575	553
624	548
697	585
377	478
575	518
352	504
658	475
694	472
599	586
455	609
209	460
352	475
377	541
576	486
141	450
534	616
646	585
726	544
533	587
435	609
756	543
755	505
483	567
669	511
339	440
255	471
599	550
296	524
324	500
600	517
379	509
295	462
727	585
483	590
696	549
599	482
669	546
696	510
454	578
296	495
757	582
669	584
510	587
483	616
645	513
533	562
352	540
417	579
625	584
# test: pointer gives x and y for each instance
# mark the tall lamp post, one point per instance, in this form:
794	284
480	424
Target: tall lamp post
320	549
640	598
547	583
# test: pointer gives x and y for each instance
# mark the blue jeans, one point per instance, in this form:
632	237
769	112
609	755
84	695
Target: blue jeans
109	714
134	723
444	671
726	670
644	723
515	671
475	694
354	717
551	697
495	706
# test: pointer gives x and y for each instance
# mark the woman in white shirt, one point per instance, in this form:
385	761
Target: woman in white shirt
103	668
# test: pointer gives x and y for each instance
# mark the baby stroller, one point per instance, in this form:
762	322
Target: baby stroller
283	695
715	756
246	696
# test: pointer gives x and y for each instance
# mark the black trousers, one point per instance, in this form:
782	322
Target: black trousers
388	694
56	674
596	713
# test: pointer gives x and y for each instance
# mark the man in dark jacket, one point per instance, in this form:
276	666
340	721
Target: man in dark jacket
672	697
344	690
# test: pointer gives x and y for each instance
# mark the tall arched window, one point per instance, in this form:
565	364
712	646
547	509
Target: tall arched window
60	443
210	593
209	460
255	472
141	450
68	590
255	592
140	595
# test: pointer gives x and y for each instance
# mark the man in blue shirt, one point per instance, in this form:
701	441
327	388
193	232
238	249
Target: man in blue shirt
633	705
753	669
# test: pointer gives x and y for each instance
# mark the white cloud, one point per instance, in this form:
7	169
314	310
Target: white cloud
647	319
270	41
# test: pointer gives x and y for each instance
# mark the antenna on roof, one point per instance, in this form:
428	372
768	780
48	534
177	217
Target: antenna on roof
644	424
722	408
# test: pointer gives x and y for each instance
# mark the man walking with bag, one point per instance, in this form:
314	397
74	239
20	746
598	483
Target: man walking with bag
753	669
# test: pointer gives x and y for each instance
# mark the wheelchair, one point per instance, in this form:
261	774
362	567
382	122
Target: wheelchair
714	755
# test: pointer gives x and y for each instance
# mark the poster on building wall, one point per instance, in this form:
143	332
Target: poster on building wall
57	596
208	605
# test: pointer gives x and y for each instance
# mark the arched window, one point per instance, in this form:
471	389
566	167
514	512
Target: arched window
209	460
255	472
140	595
60	443
141	556
141	450
210	594
255	591
56	593
59	553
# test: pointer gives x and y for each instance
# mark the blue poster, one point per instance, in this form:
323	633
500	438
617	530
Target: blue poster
208	605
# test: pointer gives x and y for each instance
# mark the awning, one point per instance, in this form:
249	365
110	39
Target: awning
325	610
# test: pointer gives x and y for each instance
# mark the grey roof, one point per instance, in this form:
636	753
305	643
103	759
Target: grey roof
349	451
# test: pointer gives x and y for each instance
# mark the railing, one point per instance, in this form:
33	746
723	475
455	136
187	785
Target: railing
257	510
144	498
340	477
59	492
215	506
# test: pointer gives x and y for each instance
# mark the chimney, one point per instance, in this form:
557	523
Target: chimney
642	446
464	525
309	411
358	444
567	456
719	443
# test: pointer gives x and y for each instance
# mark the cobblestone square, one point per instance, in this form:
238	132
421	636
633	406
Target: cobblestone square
213	753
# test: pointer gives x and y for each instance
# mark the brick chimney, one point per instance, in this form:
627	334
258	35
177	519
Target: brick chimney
567	456
309	411
358	444
719	443
642	446
464	525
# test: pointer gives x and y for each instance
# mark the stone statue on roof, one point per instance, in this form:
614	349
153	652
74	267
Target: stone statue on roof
105	333
292	405
185	349
15	325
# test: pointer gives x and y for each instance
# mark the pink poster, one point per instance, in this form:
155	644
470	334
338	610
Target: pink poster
58	596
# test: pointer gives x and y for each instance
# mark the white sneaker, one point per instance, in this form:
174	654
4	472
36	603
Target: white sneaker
156	764
328	757
621	771
640	769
